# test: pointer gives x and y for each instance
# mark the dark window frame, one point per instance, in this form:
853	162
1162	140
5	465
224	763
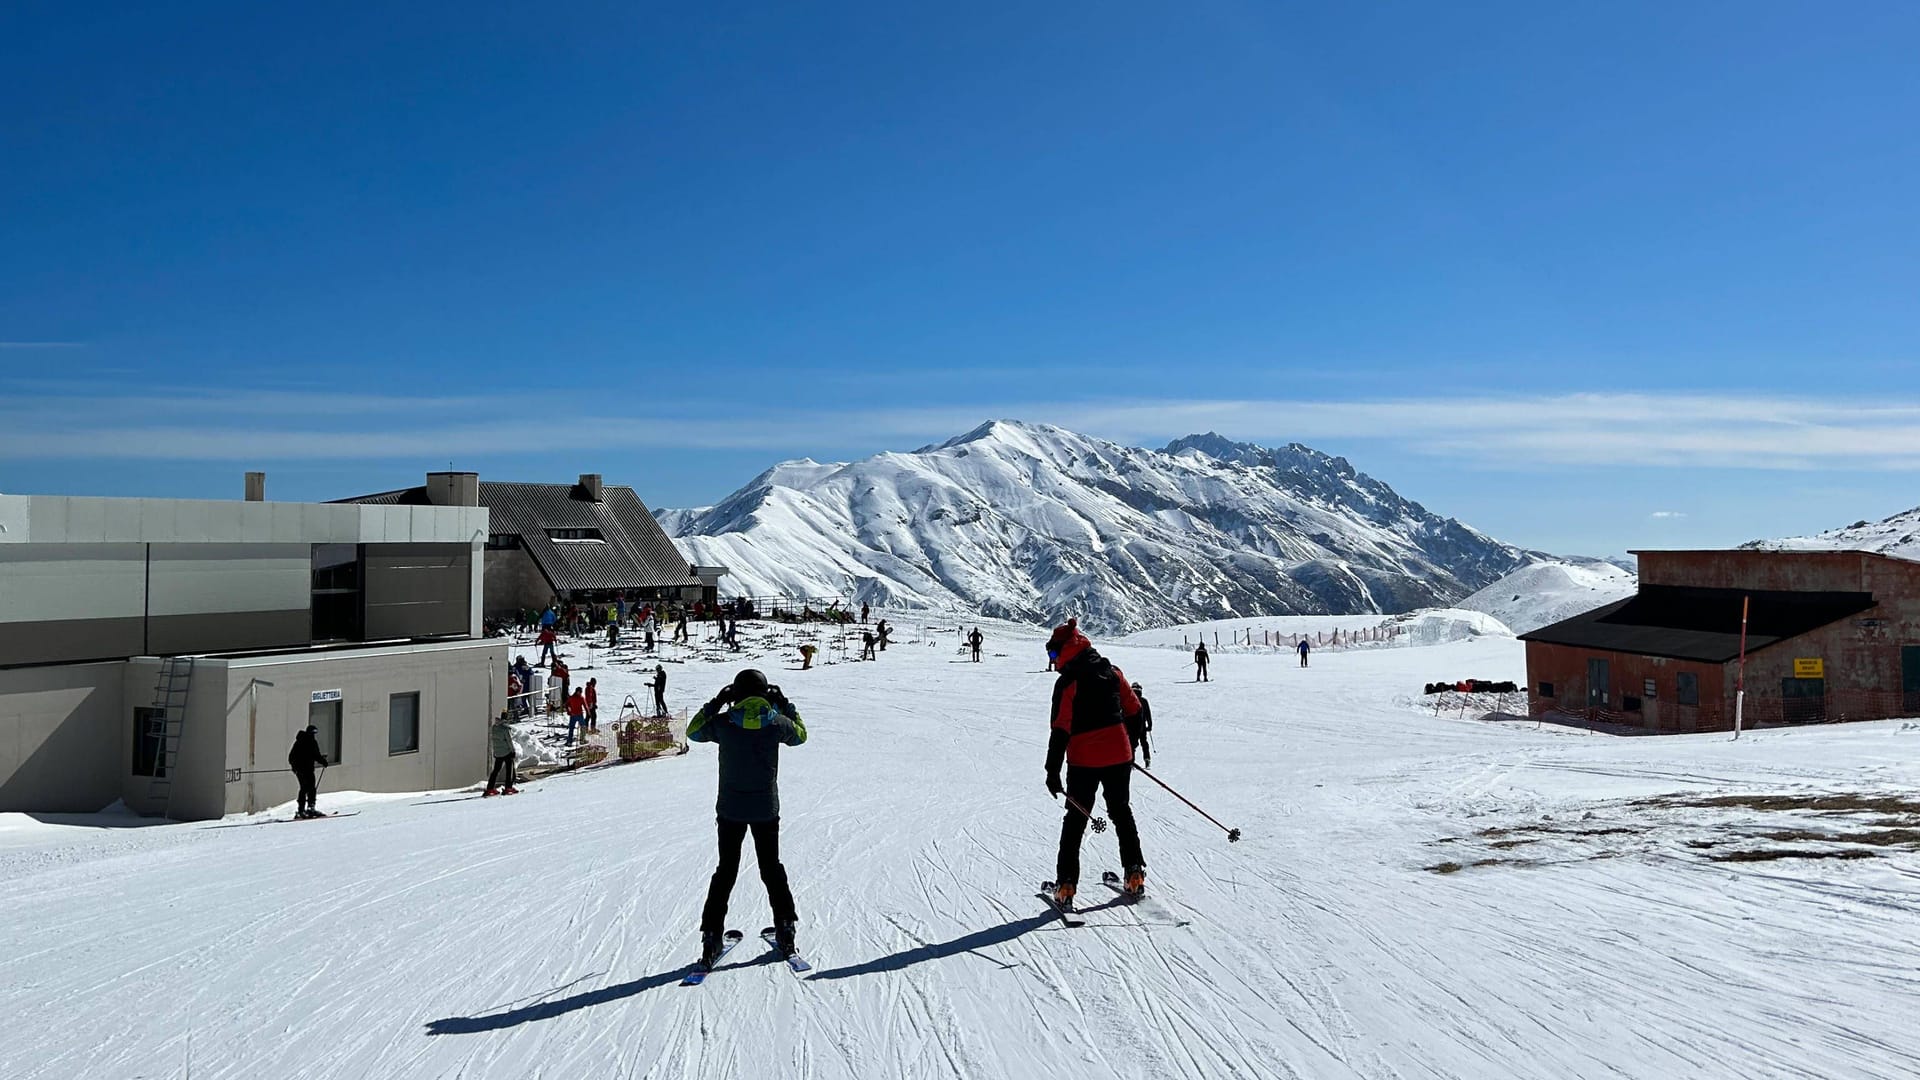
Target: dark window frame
581	533
1686	688
147	753
392	701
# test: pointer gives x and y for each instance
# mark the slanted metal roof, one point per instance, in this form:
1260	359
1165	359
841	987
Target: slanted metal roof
1687	623
634	552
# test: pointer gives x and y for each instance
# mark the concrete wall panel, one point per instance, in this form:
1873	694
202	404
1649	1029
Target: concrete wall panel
60	738
71	582
209	578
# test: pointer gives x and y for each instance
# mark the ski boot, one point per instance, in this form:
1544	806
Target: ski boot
1136	883
510	790
712	943
783	940
1063	894
489	793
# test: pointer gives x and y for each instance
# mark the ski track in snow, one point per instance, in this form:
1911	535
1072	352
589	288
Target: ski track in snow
1585	933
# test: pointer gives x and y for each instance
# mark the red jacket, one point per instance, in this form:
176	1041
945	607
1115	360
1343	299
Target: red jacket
577	704
1096	736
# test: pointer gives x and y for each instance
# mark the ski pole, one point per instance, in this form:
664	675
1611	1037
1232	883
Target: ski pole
1099	824
1232	834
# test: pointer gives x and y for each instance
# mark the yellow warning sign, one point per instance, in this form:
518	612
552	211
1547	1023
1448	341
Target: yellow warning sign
1814	668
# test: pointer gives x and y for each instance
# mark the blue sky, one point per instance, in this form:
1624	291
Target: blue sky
1624	276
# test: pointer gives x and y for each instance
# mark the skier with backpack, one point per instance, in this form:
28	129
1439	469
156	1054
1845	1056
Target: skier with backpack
1093	724
750	720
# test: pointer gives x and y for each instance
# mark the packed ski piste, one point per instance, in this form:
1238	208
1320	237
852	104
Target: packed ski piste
986	853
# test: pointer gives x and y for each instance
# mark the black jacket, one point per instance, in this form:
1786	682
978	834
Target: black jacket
306	752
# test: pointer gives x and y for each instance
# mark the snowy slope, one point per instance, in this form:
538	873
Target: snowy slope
1547	592
1415	896
1898	535
1034	523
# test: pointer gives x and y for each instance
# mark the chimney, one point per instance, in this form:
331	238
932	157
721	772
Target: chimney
256	487
590	484
453	489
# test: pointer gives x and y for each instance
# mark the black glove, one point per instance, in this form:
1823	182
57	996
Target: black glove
779	700
1054	787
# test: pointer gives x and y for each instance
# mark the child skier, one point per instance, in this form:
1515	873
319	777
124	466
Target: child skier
1093	713
750	720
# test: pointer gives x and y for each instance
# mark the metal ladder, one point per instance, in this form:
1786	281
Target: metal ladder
169	715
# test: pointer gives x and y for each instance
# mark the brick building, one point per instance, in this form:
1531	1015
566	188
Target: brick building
1831	635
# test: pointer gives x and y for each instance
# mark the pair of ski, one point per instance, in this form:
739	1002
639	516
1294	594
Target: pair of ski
1107	878
733	937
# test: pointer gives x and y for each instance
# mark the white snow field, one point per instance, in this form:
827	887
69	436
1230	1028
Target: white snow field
1414	897
1544	593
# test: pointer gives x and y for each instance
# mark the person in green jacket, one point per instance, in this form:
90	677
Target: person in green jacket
750	720
501	738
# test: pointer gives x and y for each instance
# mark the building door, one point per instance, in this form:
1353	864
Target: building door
325	715
1910	679
1599	680
1803	701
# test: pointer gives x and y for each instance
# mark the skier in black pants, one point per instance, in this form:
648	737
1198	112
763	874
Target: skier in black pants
974	639
302	758
1141	726
1092	720
750	720
1200	664
1304	649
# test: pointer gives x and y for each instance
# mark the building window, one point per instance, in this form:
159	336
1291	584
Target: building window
149	733
403	724
1686	688
337	612
325	715
576	534
1546	689
502	541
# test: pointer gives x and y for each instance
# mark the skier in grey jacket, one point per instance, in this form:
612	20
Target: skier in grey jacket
750	721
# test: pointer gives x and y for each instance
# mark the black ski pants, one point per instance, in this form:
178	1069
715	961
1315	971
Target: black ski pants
505	764
1082	782
309	790
766	850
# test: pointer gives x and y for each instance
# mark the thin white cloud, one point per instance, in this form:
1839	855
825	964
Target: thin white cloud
1667	514
43	344
1489	432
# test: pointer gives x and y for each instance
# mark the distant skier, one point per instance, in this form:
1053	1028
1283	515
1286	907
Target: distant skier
560	680
659	690
1140	727
806	656
577	715
881	632
680	631
974	639
302	759
500	738
863	612
593	704
1200	664
1304	650
1094	710
866	645
750	721
547	640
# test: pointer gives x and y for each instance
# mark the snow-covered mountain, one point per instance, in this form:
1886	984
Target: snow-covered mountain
1898	535
1032	523
1545	592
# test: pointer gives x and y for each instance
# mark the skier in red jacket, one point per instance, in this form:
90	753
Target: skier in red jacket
1092	704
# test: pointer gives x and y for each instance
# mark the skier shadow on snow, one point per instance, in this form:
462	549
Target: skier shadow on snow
979	939
547	1010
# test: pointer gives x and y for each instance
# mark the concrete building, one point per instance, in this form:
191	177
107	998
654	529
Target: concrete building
1831	635
581	541
164	652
